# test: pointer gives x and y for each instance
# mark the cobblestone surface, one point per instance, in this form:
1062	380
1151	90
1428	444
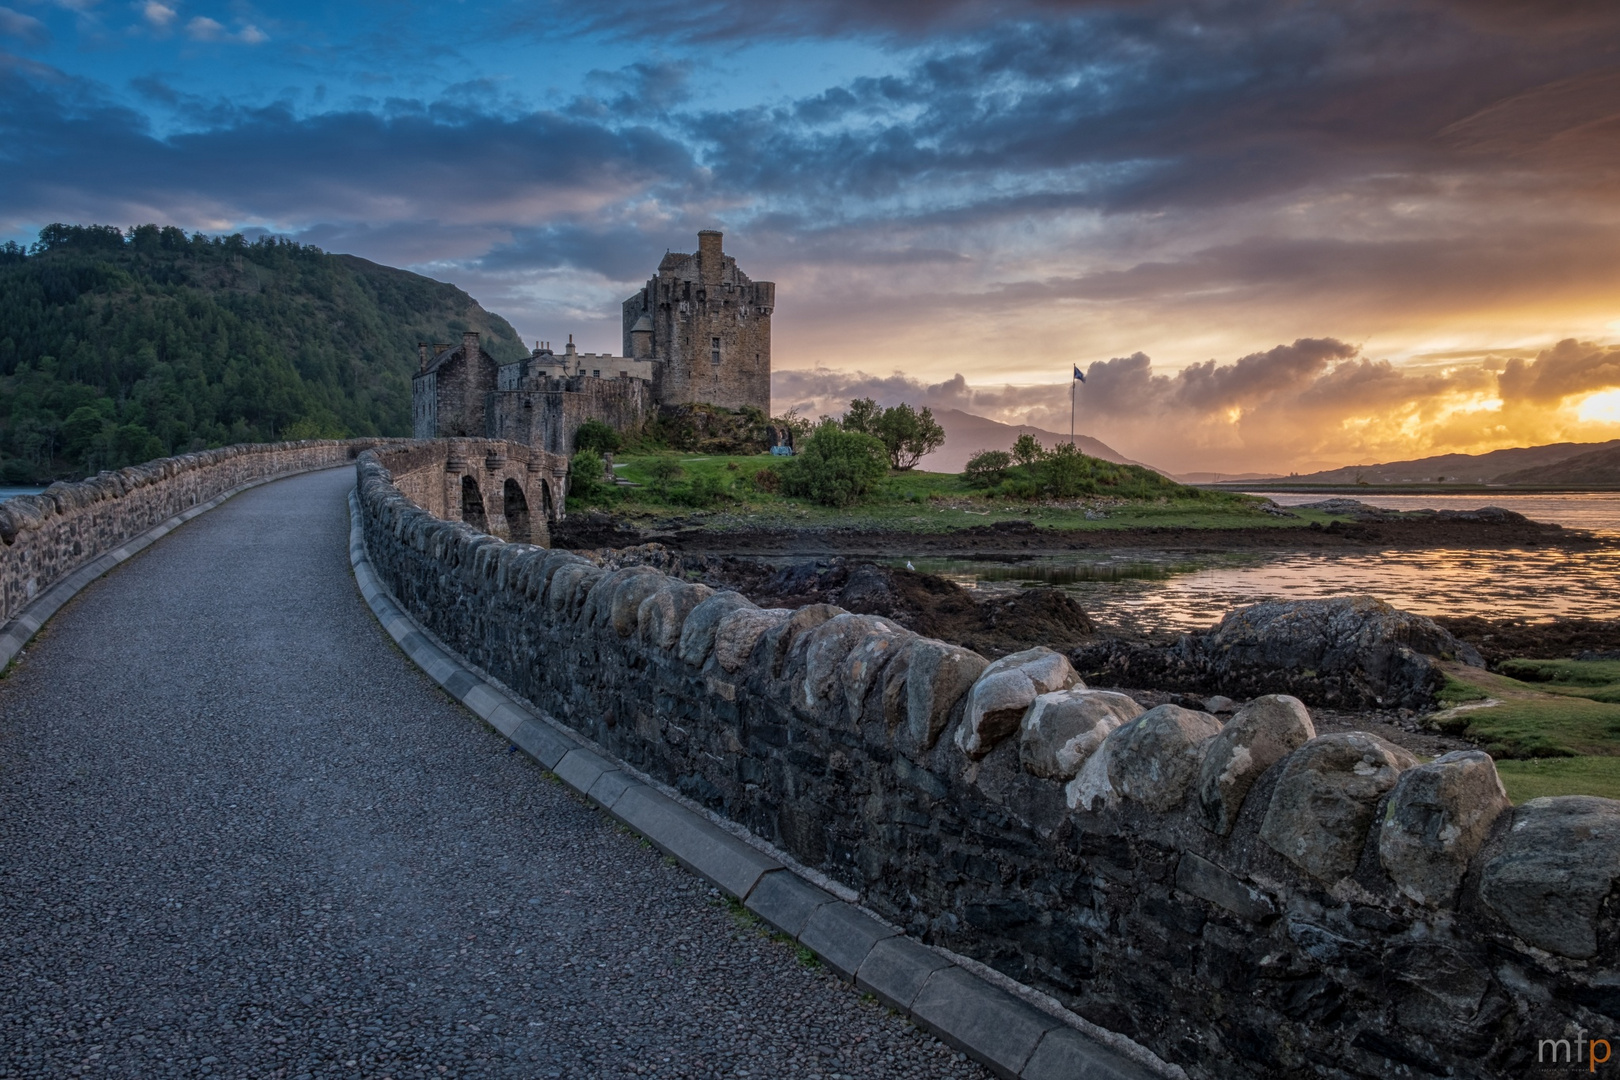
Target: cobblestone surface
241	836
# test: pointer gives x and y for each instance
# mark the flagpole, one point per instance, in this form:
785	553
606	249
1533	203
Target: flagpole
1071	411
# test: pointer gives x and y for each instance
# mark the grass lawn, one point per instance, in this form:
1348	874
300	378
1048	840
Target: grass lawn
1545	737
1526	780
913	501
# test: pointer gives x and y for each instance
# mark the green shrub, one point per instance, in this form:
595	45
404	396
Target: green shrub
704	491
1027	450
906	434
987	468
585	479
767	480
597	436
664	471
835	467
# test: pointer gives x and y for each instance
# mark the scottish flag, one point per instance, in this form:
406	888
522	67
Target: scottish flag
1077	374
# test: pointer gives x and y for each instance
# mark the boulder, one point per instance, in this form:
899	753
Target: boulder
868	662
1325	800
739	632
697	634
834	642
1263	732
937	676
1436	820
1156	756
1347	650
1350	649
1559	863
662	616
787	638
1008	687
1062	729
570	585
1092	788
620	599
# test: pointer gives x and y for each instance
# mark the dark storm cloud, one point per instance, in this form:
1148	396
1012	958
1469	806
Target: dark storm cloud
616	252
407	159
1185	106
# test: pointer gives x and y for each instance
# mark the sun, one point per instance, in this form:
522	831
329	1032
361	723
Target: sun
1601	408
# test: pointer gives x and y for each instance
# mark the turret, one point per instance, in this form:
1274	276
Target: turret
641	338
711	260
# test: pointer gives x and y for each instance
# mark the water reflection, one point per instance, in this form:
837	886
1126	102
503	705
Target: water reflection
1163	593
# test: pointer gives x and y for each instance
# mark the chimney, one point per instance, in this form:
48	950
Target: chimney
571	350
423	354
710	258
469	345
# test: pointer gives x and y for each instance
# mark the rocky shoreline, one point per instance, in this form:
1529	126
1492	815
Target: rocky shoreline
1362	528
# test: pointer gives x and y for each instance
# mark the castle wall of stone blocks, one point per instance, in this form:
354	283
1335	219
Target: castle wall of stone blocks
708	327
699	332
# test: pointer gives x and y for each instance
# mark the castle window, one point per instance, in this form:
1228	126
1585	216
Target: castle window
714	350
596	374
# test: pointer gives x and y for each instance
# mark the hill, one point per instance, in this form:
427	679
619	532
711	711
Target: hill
1492	468
117	348
967	434
1599	468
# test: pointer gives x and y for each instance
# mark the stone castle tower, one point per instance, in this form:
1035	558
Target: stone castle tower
707	329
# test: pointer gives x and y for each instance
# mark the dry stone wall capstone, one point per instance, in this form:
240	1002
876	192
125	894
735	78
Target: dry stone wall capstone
45	537
1298	907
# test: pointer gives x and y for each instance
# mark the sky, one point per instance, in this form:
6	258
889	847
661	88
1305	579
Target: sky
1275	234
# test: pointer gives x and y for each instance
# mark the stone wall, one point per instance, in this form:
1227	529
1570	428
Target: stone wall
547	415
475	480
1247	899
45	537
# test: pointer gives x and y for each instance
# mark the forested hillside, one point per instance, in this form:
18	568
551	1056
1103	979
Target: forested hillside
117	348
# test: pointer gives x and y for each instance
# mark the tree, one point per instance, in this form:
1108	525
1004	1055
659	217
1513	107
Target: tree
595	435
908	435
834	466
862	416
1027	450
1066	472
987	468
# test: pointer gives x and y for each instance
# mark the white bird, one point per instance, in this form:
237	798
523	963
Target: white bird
909	566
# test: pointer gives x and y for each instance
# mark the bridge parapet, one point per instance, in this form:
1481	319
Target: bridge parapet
1246	899
505	489
45	538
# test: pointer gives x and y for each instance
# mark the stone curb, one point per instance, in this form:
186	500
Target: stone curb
1000	1031
20	630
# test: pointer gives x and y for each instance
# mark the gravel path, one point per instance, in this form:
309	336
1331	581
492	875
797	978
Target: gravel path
241	836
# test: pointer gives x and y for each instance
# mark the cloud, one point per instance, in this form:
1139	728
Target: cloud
26	28
202	28
159	15
1568	368
416	161
1270	410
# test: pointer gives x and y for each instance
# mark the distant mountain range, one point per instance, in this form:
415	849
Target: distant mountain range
967	434
1554	465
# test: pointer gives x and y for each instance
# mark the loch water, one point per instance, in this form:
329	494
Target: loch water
1157	592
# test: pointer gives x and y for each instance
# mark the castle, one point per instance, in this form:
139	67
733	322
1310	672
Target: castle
699	331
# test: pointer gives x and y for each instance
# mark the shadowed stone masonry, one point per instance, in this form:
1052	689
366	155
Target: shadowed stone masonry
1157	906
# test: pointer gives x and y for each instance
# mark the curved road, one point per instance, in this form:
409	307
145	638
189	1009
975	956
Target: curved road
240	835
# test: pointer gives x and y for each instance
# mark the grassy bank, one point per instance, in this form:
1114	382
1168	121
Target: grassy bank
1554	730
723	493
